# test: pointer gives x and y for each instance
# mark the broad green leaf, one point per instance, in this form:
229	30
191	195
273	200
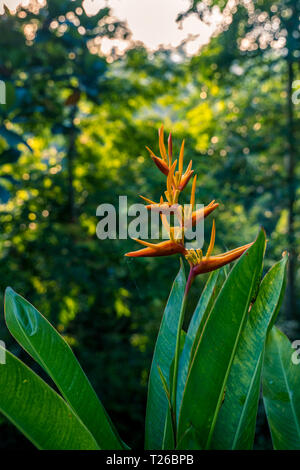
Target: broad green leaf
235	426
211	363
281	391
189	440
157	404
169	438
38	337
204	306
38	411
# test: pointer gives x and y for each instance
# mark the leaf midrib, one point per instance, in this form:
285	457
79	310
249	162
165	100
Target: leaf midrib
231	359
236	435
20	426
219	402
44	365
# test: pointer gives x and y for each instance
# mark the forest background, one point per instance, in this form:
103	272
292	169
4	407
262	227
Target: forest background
83	98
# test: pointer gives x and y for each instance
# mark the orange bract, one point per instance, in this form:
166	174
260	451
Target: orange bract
202	213
164	162
165	248
212	263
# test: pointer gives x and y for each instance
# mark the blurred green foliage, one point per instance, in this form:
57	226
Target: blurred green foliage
73	136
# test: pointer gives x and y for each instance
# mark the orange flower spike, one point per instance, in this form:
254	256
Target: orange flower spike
170	149
162	147
193	192
186	177
189	212
164	163
215	262
200	214
182	180
203	213
148	200
166	248
180	162
170	184
159	162
212	240
175	233
162	206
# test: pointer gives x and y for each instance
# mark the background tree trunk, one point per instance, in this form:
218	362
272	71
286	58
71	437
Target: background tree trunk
71	212
291	183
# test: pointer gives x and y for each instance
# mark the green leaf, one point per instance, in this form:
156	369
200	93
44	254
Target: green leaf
189	440
157	404
38	337
169	434
204	306
281	391
165	386
168	440
38	411
209	370
235	427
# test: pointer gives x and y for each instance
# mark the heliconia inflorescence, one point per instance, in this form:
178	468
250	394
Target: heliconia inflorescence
176	181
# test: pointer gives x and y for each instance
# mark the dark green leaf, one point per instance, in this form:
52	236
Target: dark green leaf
235	427
281	391
157	404
208	373
38	411
38	337
206	301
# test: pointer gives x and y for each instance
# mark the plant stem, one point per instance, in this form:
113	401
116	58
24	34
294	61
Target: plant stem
291	182
189	281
